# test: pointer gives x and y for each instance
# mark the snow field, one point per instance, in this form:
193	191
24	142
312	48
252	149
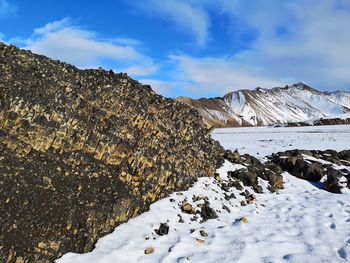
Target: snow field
300	223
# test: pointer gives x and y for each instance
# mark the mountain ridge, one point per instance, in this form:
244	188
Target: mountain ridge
260	107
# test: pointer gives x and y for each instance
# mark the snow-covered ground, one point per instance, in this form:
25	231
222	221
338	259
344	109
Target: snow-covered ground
301	223
262	141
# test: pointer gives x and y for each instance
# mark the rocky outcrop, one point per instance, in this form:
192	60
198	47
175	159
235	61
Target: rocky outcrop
322	121
316	166
82	151
253	170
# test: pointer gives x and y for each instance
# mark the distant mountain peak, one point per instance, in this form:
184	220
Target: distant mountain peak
292	103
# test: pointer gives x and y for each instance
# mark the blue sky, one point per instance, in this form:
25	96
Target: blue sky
195	48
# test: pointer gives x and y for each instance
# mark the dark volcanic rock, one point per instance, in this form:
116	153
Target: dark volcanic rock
82	151
207	212
252	161
293	162
300	168
332	182
275	179
248	177
162	230
233	157
345	155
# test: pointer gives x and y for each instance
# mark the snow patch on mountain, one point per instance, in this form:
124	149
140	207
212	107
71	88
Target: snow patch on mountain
261	107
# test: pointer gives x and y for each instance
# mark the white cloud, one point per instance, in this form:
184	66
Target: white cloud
2	37
64	41
126	41
53	26
295	41
7	8
188	16
199	76
147	68
315	47
159	86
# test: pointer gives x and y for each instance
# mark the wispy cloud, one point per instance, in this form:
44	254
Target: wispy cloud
189	16
7	8
2	37
65	41
295	41
301	40
208	75
159	86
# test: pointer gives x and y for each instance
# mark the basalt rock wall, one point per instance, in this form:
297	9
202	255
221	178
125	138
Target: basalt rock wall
82	151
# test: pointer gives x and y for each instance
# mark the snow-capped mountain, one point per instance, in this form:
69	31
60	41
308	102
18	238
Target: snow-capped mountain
294	103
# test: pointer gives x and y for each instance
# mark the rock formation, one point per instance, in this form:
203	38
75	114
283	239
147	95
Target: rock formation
82	151
254	169
317	166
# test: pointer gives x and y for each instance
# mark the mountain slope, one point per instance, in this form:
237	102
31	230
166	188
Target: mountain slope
294	103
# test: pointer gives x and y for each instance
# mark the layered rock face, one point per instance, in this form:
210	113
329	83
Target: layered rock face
82	151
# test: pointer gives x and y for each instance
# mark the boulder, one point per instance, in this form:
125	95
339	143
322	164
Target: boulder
345	155
233	157
207	212
275	179
273	167
248	177
309	171
287	163
252	161
332	182
162	230
300	168
82	151
273	174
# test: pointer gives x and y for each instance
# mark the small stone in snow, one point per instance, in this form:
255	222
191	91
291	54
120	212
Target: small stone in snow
187	208
194	218
252	197
226	208
243	220
200	240
203	233
207	212
149	250
163	229
181	220
217	177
